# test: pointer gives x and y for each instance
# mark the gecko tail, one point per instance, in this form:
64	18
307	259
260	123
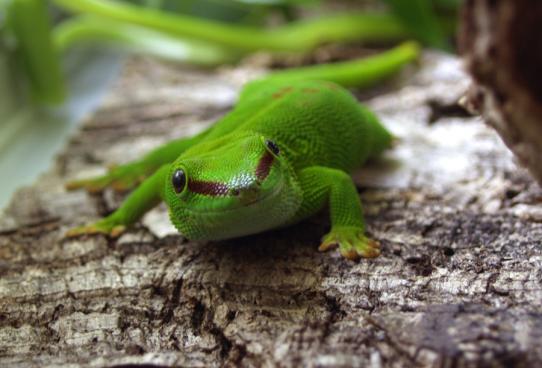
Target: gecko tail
359	73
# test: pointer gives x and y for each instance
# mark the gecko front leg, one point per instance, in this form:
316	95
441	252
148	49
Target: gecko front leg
333	187
140	201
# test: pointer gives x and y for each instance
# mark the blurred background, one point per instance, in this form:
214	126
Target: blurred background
58	57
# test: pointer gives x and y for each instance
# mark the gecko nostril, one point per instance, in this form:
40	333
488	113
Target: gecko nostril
247	193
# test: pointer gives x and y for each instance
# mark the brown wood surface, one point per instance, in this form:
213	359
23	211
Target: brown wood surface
501	41
458	283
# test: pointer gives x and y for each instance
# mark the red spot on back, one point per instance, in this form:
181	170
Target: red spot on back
210	188
281	92
332	86
264	165
310	90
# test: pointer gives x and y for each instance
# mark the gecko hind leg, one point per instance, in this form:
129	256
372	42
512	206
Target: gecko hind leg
126	177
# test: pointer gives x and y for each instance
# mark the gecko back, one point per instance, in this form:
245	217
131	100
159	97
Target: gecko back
316	122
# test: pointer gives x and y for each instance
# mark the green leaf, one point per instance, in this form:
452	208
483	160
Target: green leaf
28	21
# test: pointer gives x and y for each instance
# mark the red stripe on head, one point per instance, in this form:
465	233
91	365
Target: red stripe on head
264	165
210	188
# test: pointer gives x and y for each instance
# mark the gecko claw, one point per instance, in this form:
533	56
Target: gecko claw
352	243
324	247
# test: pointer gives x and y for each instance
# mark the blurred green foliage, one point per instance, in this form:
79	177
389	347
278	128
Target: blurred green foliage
203	32
28	30
137	39
421	18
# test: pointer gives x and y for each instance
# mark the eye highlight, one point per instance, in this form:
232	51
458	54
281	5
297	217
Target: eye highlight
178	180
272	146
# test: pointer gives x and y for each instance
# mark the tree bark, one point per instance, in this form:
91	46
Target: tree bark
502	44
458	282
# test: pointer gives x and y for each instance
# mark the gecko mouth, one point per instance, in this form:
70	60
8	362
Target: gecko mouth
252	203
218	189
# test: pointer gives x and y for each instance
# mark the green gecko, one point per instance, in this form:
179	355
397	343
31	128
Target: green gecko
281	155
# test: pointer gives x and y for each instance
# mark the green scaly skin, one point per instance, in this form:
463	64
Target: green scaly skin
281	155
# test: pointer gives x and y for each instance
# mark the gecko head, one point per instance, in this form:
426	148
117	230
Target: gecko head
231	188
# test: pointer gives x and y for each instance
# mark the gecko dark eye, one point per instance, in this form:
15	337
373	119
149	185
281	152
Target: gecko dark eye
178	180
272	146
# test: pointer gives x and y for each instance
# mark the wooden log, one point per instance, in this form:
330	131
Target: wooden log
458	282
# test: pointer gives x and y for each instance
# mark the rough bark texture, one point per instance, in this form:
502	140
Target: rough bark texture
502	45
458	283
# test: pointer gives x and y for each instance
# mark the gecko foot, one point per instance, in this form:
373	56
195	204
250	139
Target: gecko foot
121	179
352	243
94	185
105	226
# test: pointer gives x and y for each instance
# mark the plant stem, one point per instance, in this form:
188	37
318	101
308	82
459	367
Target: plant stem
138	39
296	37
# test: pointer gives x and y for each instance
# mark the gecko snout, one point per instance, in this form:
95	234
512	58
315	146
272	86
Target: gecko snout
248	193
